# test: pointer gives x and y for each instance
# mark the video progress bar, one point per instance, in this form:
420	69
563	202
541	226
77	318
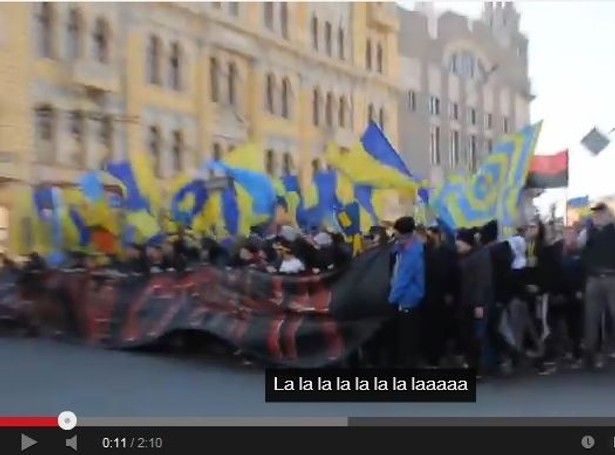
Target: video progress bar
213	421
346	421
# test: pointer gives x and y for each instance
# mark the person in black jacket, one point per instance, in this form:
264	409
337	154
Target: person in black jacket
441	287
566	284
501	262
475	296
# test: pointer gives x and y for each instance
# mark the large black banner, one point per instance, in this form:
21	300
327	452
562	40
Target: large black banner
301	321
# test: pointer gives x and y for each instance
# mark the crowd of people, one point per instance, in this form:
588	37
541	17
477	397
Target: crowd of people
457	299
536	299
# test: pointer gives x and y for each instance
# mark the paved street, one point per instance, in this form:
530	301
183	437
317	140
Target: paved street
44	377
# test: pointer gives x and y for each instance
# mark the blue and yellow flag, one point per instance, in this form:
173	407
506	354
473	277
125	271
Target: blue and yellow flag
348	219
493	191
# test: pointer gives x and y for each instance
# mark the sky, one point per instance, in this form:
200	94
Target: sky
572	69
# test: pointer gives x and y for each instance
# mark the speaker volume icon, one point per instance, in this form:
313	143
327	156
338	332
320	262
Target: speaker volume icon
72	443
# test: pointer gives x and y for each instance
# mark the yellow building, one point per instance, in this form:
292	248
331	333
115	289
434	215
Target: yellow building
83	83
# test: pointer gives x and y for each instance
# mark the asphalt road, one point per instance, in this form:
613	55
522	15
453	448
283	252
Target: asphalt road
39	377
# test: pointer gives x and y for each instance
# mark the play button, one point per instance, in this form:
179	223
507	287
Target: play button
27	442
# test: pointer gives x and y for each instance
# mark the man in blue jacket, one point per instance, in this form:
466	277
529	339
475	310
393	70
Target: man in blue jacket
407	292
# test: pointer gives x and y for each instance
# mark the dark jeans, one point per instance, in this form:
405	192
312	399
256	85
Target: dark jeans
469	337
400	340
436	325
599	301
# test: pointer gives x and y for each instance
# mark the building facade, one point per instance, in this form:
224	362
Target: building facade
464	84
183	82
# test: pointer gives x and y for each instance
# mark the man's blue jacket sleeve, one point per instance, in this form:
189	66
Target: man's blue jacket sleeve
408	285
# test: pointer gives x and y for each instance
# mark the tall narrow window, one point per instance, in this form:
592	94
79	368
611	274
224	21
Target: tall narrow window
368	54
315	107
314	31
472	152
154	54
316	166
45	129
178	151
505	125
270	93
270	162
412	101
371	113
75	34
217	152
175	63
45	19
284	19
341	114
329	109
154	146
106	137
232	84
434	145
489	145
268	12
454	148
77	132
101	40
381	118
379	59
288	165
341	44
329	38
217	5
286	98
214	71
233	8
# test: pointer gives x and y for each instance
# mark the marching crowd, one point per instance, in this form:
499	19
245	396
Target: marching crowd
472	300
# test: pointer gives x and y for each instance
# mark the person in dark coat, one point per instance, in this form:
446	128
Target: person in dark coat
475	296
566	284
440	289
501	256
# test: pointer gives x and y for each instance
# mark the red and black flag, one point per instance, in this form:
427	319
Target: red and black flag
548	171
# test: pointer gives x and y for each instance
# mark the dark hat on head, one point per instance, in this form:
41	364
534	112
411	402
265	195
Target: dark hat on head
599	207
489	232
466	236
283	244
405	225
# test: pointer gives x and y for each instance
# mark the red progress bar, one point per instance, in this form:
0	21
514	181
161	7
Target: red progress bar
23	421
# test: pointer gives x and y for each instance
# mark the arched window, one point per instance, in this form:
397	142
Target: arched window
178	151
368	54
75	34
329	109
315	107
270	162
217	152
284	19
214	71
379	59
154	147
329	38
288	166
232	84
154	54
314	31
286	98
101	40
341	44
371	113
45	131
268	15
175	64
45	21
270	93
381	118
341	114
